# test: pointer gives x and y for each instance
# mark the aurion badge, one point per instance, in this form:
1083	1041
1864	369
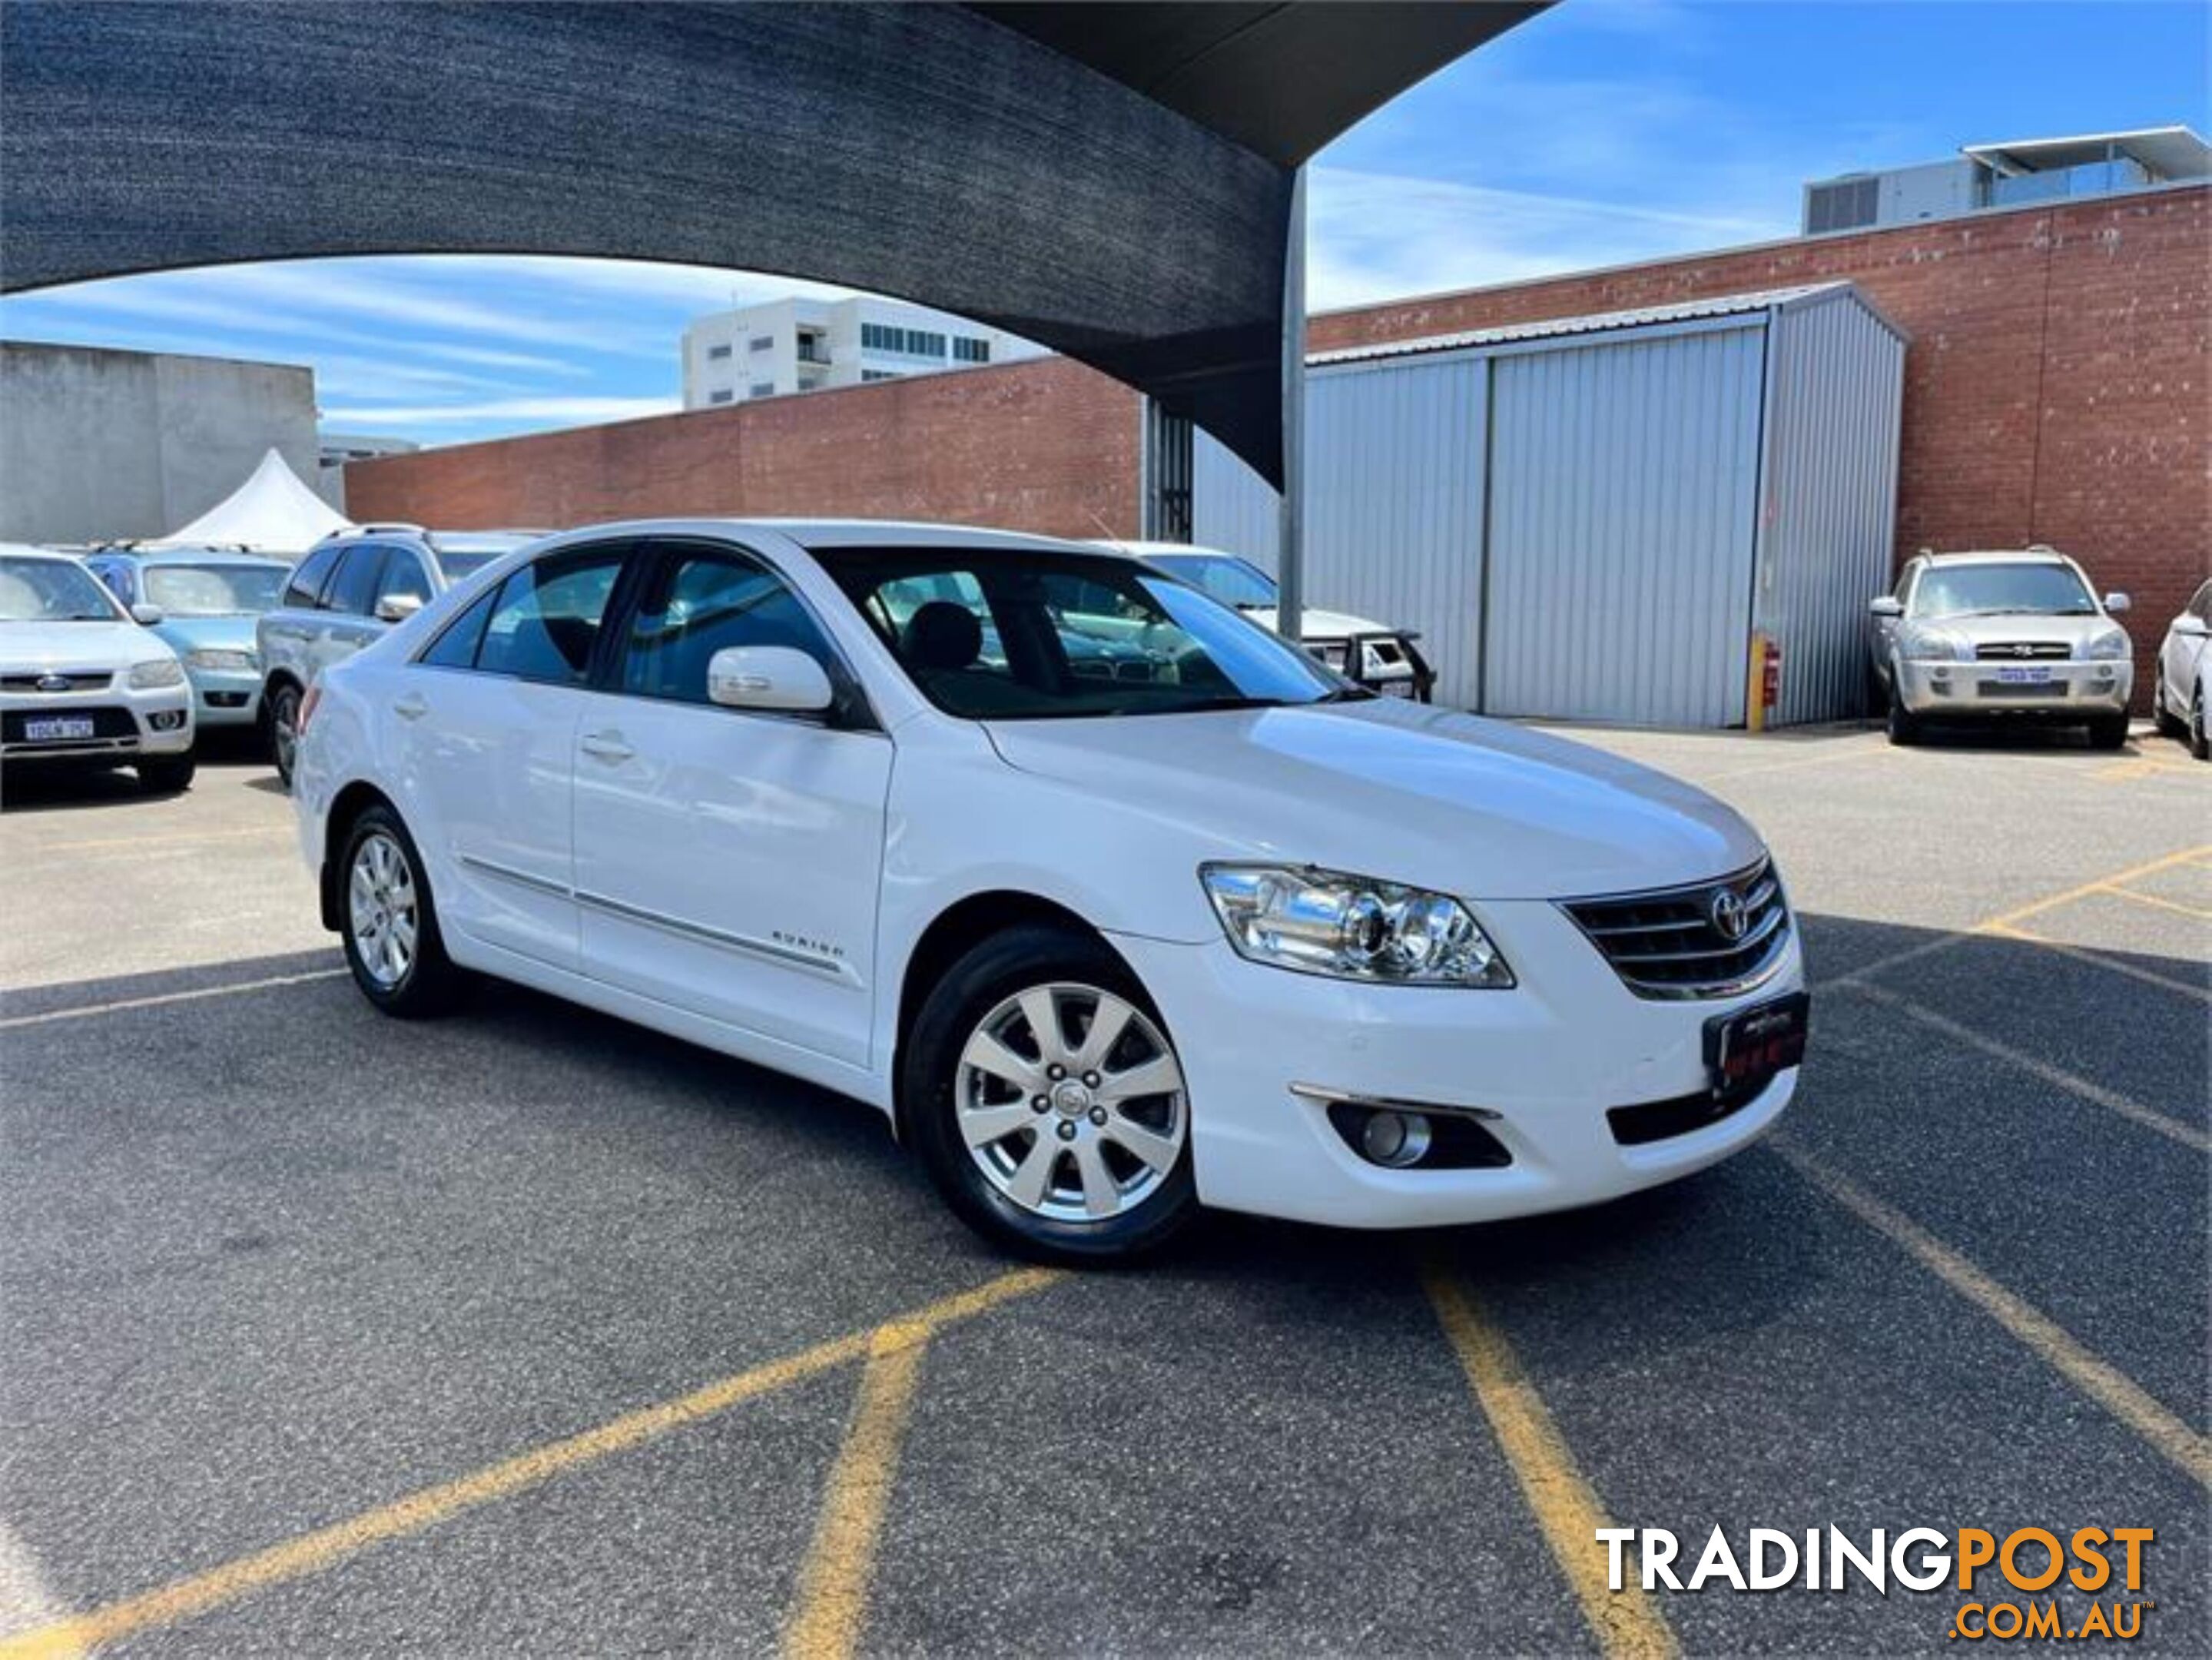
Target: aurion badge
1727	916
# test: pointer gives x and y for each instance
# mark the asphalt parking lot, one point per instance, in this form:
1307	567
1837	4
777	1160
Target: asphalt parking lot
528	1332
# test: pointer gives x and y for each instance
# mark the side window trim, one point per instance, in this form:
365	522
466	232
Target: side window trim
653	559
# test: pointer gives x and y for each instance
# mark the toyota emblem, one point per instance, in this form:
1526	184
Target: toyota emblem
1727	915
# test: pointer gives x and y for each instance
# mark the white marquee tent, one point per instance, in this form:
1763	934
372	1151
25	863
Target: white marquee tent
272	512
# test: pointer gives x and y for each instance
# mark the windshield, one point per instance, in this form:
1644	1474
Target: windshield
1000	636
1992	590
52	591
1232	581
214	590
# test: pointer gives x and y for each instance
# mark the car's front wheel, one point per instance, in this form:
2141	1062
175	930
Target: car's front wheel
2109	733
2200	741
1903	727
389	923
2169	724
1045	1098
285	729
167	775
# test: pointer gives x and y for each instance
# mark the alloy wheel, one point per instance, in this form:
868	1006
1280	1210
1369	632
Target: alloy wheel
285	729
381	901
1071	1102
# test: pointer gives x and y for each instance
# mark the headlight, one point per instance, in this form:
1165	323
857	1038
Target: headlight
228	662
1936	646
2106	646
1350	927
161	672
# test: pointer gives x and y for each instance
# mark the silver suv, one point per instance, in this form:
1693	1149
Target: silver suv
2010	636
353	585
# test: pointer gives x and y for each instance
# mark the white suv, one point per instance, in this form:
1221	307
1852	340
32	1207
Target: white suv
840	798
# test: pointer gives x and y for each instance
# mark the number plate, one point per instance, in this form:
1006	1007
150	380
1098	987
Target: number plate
2034	677
57	728
1750	1046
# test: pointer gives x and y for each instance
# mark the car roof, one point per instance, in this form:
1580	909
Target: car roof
25	550
192	555
2001	556
1182	550
818	534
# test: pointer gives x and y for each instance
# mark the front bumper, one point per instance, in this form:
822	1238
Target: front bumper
226	697
124	724
1549	1058
2073	691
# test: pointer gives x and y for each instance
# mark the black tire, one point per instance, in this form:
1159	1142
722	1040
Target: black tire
167	775
429	984
282	718
2109	733
1025	958
1877	691
2200	741
1903	726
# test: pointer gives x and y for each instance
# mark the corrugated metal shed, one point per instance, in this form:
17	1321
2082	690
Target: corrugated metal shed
1594	517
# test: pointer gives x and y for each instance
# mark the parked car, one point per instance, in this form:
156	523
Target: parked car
2002	637
352	586
1374	653
84	681
209	599
2178	694
1102	950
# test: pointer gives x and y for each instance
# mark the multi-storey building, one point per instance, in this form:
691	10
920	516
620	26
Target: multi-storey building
796	345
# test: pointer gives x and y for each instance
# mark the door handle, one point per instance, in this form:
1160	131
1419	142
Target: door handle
412	707
607	746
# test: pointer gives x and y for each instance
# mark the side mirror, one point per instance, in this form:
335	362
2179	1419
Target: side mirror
145	615
1885	604
2116	602
767	677
397	607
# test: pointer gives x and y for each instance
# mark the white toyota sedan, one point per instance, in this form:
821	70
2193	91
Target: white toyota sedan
843	799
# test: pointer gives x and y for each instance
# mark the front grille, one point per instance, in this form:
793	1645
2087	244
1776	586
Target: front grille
1661	1121
75	682
1668	943
2041	691
2025	651
105	723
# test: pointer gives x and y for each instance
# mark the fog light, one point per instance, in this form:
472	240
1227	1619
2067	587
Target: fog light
1394	1139
167	720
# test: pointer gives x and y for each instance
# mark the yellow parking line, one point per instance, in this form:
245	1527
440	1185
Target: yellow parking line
162	998
2111	1389
2100	960
2119	893
313	1552
2004	921
139	842
1627	1622
2073	1083
833	1584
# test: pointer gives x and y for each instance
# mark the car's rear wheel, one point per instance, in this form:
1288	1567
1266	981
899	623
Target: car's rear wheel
165	775
389	922
2109	733
285	729
1045	1098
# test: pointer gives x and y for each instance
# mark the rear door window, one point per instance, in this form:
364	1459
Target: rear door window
306	584
352	590
545	623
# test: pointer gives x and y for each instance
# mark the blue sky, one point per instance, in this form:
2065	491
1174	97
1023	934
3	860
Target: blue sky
1603	132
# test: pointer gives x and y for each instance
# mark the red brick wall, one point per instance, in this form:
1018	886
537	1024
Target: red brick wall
1046	445
2059	387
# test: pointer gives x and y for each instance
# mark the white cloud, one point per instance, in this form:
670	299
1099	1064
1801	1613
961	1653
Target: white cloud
1379	236
553	411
